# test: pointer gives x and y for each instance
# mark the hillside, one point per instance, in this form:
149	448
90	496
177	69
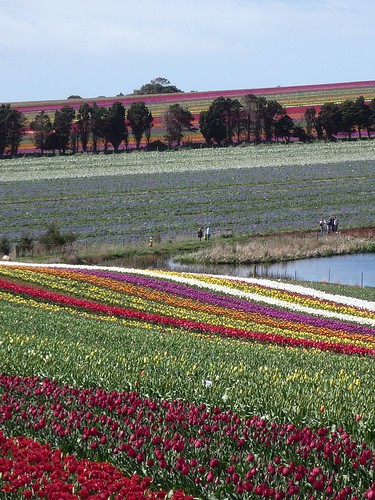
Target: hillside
295	99
217	386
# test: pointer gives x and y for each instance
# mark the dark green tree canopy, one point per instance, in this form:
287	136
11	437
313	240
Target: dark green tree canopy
250	118
227	118
61	125
83	123
42	126
271	112
12	122
348	116
139	119
330	118
217	123
115	129
284	128
177	119
158	85
97	124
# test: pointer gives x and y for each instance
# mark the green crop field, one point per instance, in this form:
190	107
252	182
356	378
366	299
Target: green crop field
130	197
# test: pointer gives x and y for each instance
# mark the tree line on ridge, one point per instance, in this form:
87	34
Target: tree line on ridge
226	122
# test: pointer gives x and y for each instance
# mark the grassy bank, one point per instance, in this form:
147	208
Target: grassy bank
278	248
218	250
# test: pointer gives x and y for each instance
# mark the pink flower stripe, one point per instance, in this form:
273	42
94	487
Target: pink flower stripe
184	323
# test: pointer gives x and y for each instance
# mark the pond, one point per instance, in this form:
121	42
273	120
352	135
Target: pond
353	269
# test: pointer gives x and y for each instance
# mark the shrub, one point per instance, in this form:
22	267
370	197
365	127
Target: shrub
55	238
25	245
5	245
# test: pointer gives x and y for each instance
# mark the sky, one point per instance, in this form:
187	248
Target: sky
52	49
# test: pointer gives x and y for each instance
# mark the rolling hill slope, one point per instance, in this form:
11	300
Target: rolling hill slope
295	99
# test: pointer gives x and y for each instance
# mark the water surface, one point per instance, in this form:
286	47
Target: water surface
353	269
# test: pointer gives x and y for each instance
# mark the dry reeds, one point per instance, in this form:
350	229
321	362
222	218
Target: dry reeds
280	248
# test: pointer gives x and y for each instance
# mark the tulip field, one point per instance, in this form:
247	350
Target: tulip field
124	383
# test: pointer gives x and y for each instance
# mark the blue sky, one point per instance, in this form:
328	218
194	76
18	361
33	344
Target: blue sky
51	49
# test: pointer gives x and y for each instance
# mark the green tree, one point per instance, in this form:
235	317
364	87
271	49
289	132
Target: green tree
284	128
310	120
249	115
15	130
83	124
220	122
5	113
97	124
330	119
270	114
362	113
205	126
227	110
115	130
371	119
348	116
62	125
12	122
177	119
53	237
41	126
25	245
5	246
259	118
158	85
140	120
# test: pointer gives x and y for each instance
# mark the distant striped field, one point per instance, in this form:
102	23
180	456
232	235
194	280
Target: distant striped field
295	99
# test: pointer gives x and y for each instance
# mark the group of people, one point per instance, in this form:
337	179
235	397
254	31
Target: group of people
206	234
329	226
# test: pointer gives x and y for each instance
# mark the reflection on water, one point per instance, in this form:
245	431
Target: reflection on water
354	269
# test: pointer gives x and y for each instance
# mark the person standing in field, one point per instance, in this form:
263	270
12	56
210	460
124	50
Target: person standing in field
208	233
200	234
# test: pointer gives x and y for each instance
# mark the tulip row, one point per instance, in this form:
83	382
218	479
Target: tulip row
32	470
181	443
214	329
217	315
75	345
257	287
149	296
